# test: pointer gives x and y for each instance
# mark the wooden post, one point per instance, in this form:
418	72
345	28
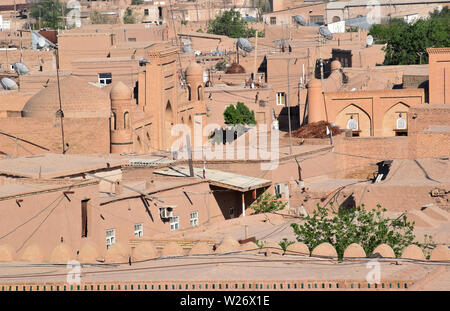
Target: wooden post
191	168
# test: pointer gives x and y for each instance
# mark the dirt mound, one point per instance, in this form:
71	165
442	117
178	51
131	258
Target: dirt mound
315	130
235	68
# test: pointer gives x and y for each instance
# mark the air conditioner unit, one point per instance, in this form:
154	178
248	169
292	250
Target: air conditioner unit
166	212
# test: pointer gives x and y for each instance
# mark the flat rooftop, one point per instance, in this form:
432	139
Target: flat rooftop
50	165
218	178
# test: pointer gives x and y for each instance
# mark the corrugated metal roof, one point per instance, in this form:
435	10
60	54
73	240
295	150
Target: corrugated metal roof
219	178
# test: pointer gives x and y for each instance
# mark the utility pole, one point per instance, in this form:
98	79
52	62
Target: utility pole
289	107
191	168
256	55
60	112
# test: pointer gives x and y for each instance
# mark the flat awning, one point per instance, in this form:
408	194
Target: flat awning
218	178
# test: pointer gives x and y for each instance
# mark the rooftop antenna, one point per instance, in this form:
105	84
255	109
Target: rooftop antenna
244	45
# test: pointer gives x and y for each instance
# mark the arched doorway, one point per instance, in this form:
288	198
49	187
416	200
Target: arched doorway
354	118
395	120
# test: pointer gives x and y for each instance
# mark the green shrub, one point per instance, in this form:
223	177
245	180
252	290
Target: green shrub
356	225
267	203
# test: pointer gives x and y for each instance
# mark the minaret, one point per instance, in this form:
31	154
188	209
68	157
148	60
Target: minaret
121	132
316	109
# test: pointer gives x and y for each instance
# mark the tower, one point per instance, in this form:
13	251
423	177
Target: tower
316	109
121	131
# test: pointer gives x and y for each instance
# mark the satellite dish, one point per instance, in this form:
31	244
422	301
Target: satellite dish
300	20
324	32
244	44
41	42
21	69
369	40
9	84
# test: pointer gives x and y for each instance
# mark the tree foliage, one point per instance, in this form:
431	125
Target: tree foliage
231	24
406	44
267	203
48	13
128	17
356	225
239	114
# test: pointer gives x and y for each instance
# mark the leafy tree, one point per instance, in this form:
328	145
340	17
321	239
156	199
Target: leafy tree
48	14
284	243
239	114
267	203
231	24
128	17
406	44
356	225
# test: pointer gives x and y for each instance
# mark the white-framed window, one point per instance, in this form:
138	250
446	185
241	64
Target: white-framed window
352	124
281	98
105	78
231	212
110	237
11	67
174	223
401	123
194	219
138	230
280	189
273	20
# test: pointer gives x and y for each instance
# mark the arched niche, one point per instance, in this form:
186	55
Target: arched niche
356	118
395	120
168	123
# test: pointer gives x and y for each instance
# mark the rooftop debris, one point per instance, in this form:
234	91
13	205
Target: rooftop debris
235	68
316	130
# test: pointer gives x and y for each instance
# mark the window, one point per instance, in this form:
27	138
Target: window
280	189
174	223
110	237
138	230
316	19
146	12
273	20
352	124
281	98
132	39
105	78
126	120
401	123
194	219
231	211
84	219
199	92
11	67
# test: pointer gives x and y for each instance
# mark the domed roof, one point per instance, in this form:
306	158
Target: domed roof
194	69
335	65
120	92
79	99
314	83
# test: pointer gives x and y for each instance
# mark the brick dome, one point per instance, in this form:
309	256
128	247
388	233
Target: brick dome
194	73
79	99
335	65
120	92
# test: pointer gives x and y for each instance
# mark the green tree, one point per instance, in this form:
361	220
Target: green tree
406	44
231	24
267	203
48	14
284	244
128	17
356	225
239	114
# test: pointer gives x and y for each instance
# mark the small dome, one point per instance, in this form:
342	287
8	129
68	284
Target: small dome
120	92
194	69
79	99
335	65
314	83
